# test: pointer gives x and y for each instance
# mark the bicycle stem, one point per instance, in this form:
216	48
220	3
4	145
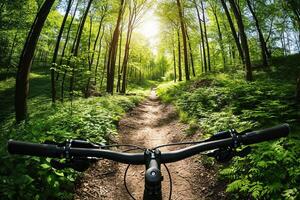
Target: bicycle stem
153	176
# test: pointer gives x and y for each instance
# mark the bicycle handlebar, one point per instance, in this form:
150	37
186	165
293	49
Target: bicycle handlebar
55	151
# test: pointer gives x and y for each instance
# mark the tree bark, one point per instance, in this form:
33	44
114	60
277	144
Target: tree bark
22	78
185	50
244	41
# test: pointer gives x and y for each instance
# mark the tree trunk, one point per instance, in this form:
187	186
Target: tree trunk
63	52
201	57
174	59
90	58
295	7
22	78
244	41
120	71
76	49
220	36
68	35
263	45
104	65
191	54
11	52
179	56
233	31
99	55
53	84
131	21
111	64
186	60
202	37
205	35
126	57
298	90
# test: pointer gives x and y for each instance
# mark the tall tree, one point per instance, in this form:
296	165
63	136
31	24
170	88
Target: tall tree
112	54
202	37
205	35
120	71
174	58
244	42
75	50
68	34
99	55
135	11
179	55
53	84
184	40
91	57
24	67
233	31
214	8
191	53
263	44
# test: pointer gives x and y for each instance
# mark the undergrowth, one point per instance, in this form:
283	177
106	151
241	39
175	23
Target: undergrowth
95	119
218	102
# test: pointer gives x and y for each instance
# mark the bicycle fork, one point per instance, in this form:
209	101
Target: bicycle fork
153	176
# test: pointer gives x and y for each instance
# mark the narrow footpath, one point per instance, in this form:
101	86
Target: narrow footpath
150	124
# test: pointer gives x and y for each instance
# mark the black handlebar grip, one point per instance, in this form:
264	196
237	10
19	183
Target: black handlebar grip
33	149
266	134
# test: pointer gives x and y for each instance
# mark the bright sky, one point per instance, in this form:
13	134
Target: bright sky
149	28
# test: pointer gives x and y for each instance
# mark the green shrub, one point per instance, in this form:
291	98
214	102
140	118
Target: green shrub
25	177
222	101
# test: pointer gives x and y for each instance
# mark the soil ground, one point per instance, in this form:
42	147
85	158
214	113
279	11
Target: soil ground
150	124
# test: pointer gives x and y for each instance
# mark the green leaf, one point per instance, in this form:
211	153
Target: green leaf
45	166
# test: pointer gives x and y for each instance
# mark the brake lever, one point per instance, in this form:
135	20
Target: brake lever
78	164
225	155
221	155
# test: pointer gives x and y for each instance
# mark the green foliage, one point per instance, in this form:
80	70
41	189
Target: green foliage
94	119
224	101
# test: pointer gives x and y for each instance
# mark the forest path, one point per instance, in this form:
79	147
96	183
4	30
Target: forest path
150	124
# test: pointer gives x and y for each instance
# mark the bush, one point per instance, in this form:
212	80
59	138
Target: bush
222	101
27	177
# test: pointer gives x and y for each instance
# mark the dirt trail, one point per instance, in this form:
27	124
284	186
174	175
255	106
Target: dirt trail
150	124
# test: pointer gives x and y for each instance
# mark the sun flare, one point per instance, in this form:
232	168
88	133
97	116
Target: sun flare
149	27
